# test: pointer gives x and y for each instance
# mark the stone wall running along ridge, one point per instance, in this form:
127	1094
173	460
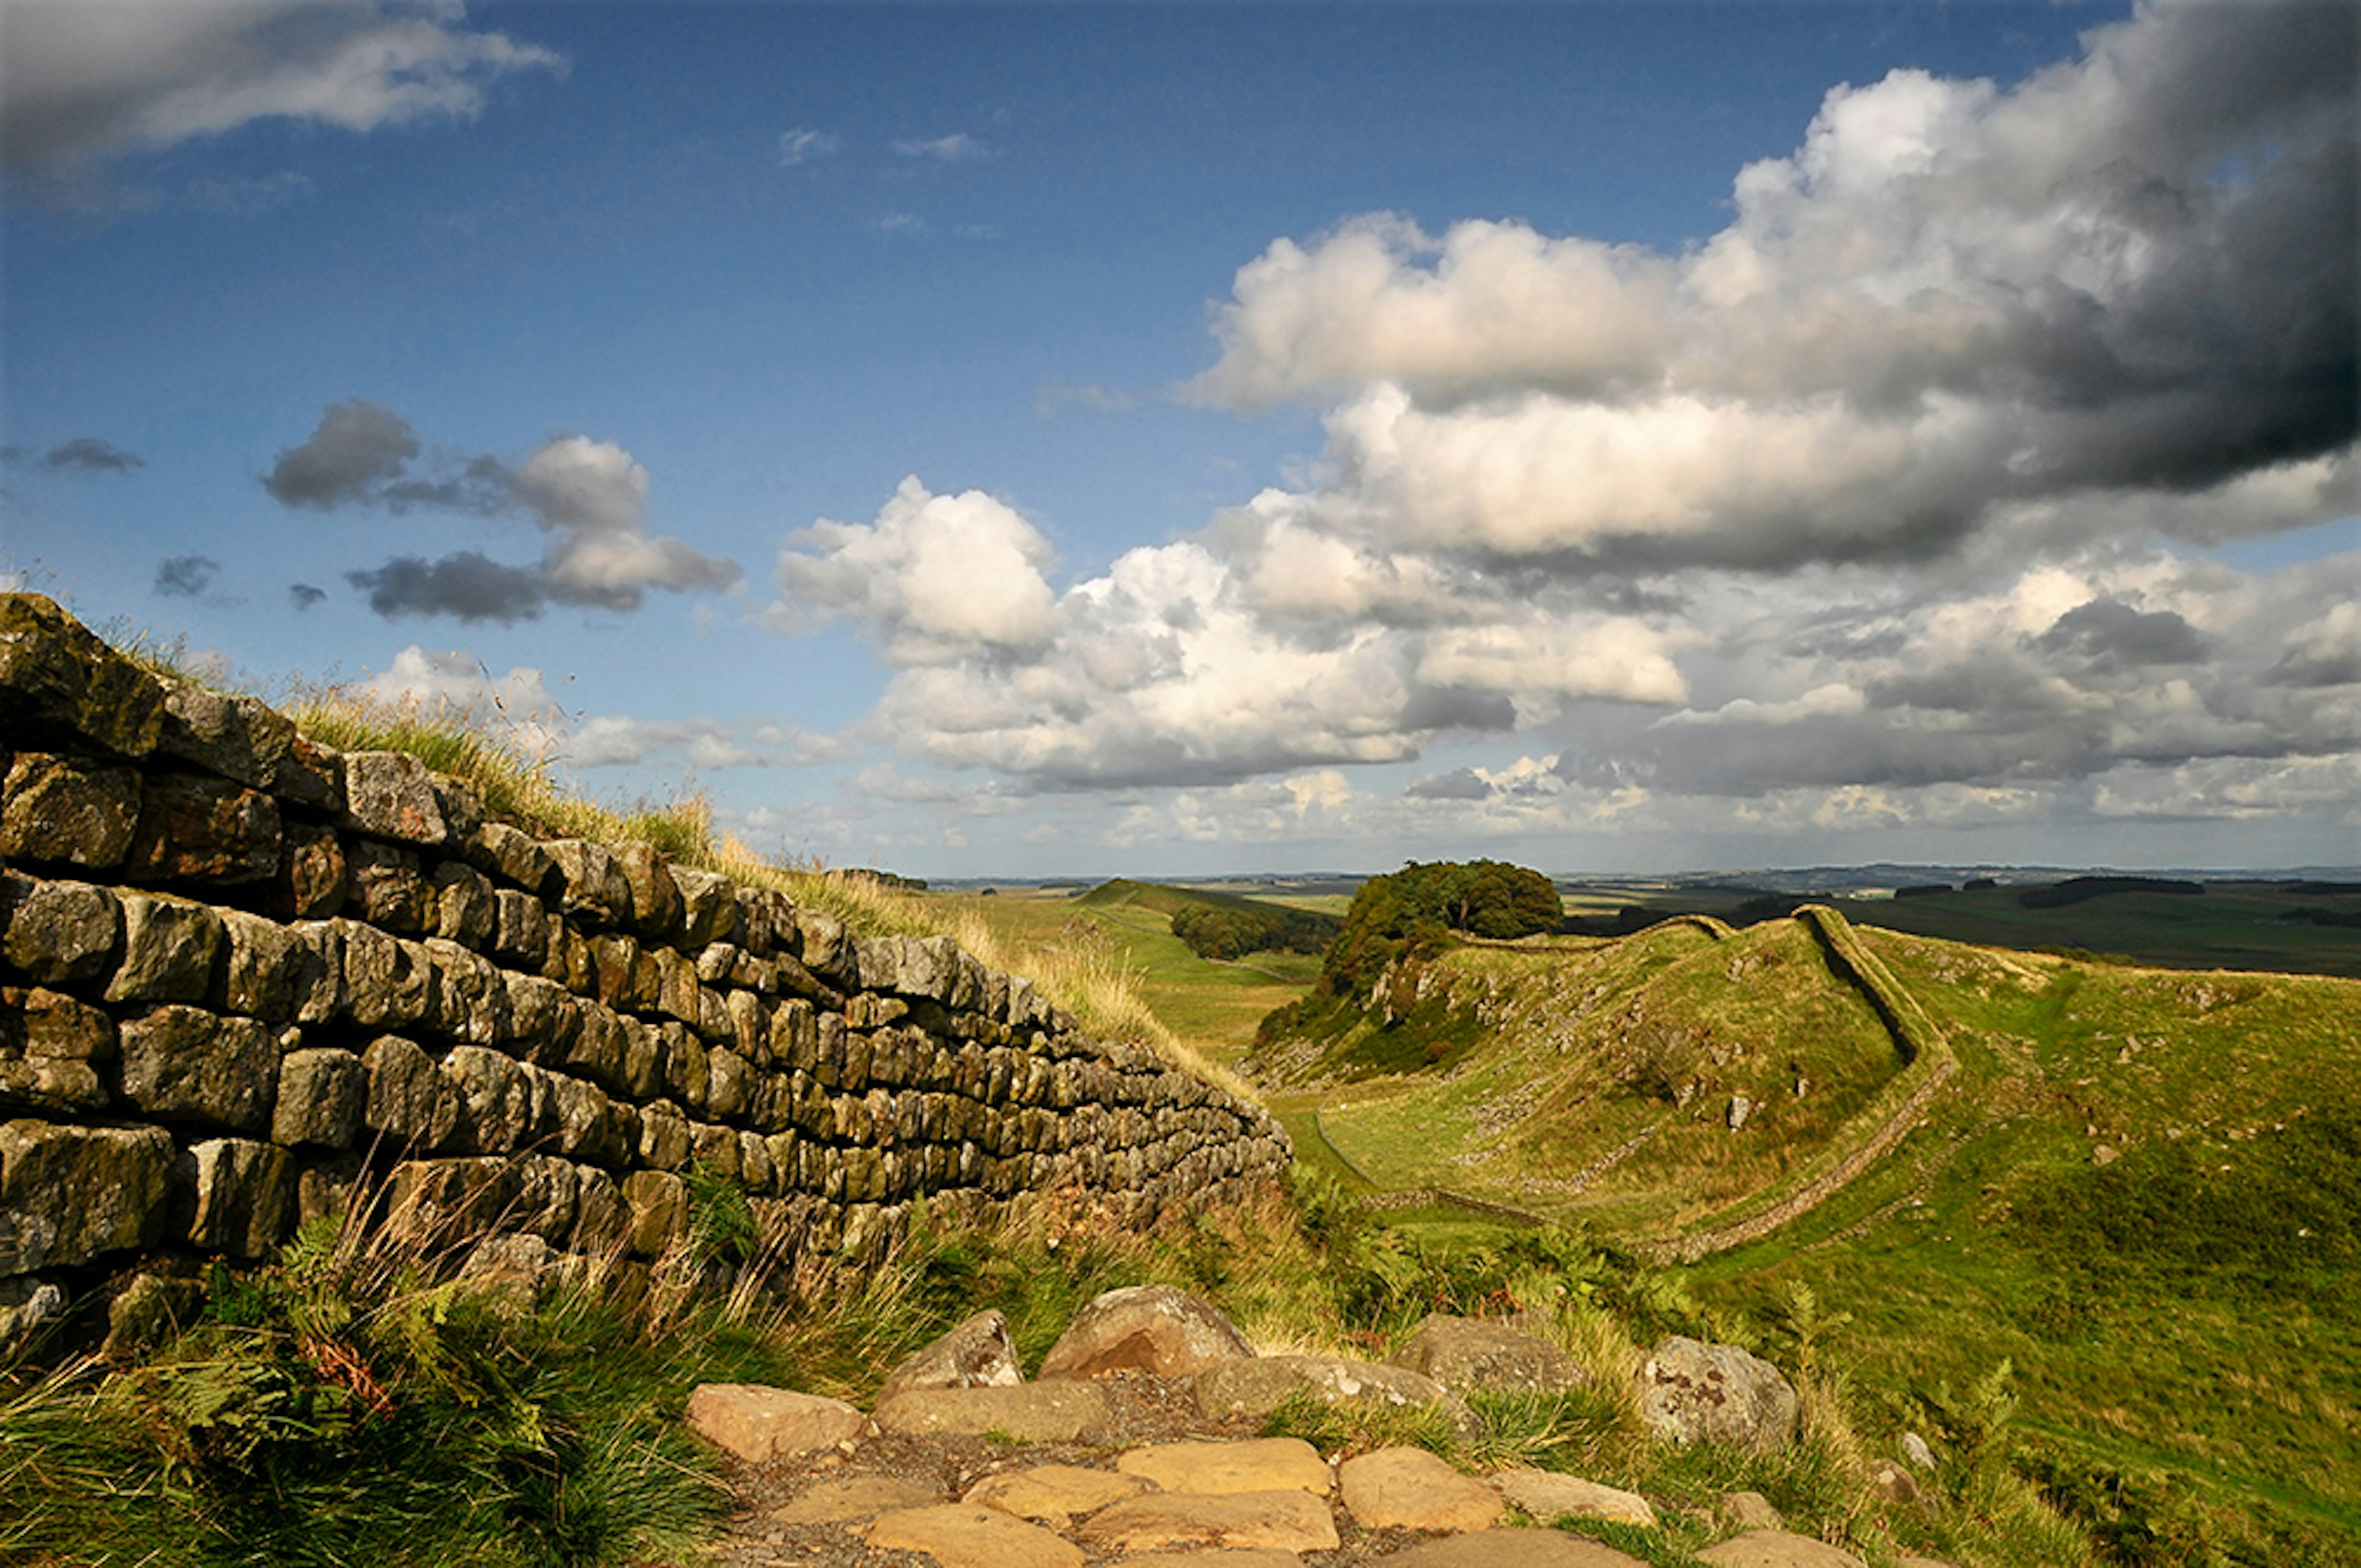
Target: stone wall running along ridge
241	973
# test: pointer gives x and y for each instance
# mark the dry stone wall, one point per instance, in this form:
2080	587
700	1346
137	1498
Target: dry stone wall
242	974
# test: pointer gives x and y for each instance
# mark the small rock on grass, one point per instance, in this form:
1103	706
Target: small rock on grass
1409	1488
1748	1510
1545	1495
1466	1354
855	1497
760	1424
1054	1494
1776	1548
1258	1465
1284	1521
1258	1387
979	1353
965	1535
1512	1549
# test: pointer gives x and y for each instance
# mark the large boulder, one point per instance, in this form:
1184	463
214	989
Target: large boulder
71	1194
1150	1328
979	1353
1466	1354
1693	1392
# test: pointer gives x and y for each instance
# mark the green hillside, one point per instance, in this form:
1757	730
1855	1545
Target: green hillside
2139	1187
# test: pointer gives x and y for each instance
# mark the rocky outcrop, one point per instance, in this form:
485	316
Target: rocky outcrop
1693	1392
244	976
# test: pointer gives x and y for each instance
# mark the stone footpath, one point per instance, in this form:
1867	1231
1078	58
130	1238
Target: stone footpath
1135	1447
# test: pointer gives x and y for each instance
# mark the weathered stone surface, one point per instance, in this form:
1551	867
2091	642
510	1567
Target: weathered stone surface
709	906
658	1201
61	933
978	1354
854	1497
200	829
1033	1412
443	1200
389	890
1284	1521
46	1086
519	928
245	1196
1466	1354
465	910
504	1103
509	1271
59	679
1255	1465
71	1194
1524	1549
411	1104
1776	1548
760	1424
964	1535
1054	1495
240	737
180	1064
1889	1482
169	948
595	887
150	1311
469	1000
656	899
258	967
53	1026
313	882
1545	1495
1693	1392
321	1096
68	810
1150	1328
391	795
1256	1387
388	983
1747	1510
515	857
1409	1488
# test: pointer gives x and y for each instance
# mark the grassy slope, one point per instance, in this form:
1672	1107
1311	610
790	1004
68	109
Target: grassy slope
2246	1381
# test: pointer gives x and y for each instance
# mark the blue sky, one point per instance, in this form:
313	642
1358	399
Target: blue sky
996	440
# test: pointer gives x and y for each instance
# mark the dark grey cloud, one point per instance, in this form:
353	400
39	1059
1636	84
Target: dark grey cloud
89	455
1460	784
185	576
304	596
467	585
2114	635
356	447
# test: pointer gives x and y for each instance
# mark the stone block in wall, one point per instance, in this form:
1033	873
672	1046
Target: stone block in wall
825	949
675	983
469	999
388	983
242	1195
756	1173
600	1049
240	737
715	1148
730	1084
68	810
311	882
58	933
967	983
388	887
259	962
750	1026
663	1137
448	1201
853	1061
504	1105
465	909
544	1018
515	857
389	794
589	1126
60	680
657	1201
714	961
411	1103
794	1035
183	1064
688	1068
193	828
328	1187
71	1194
169	949
617	961
319	994
595	889
656	897
647	1059
462	807
520	929
48	1085
750	926
322	1093
708	906
748	973
49	1025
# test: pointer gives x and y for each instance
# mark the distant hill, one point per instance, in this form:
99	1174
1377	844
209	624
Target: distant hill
1221	925
2139	1186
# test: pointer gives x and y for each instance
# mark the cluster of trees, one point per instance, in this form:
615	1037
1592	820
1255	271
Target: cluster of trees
1223	931
1415	913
